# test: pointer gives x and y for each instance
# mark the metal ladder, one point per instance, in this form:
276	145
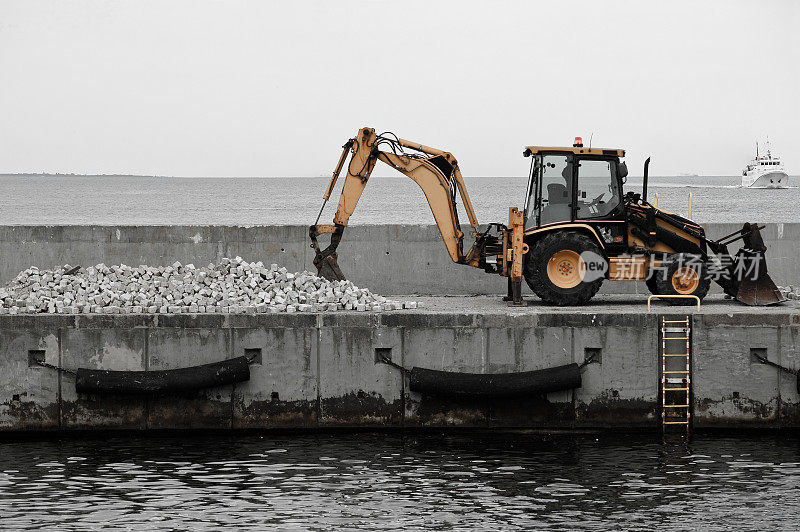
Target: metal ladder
676	375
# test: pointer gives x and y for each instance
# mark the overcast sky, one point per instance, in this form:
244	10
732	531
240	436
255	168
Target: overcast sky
211	88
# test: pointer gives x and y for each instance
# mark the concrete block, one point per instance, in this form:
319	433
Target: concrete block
354	389
28	392
789	355
444	349
282	390
621	387
112	349
171	348
731	388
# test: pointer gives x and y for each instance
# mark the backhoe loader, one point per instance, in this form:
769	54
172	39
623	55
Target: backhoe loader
577	228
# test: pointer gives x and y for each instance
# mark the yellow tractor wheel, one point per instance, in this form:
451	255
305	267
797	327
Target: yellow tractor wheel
556	270
685	280
564	268
683	274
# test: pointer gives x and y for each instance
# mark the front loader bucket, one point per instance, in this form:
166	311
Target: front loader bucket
753	285
762	292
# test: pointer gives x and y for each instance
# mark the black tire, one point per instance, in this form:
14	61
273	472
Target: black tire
651	284
671	266
536	269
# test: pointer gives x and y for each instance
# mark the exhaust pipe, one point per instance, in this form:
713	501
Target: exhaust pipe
644	180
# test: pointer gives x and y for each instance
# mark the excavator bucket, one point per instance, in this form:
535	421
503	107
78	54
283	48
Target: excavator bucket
326	260
754	285
328	267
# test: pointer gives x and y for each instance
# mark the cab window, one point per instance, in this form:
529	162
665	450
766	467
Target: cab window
553	190
598	188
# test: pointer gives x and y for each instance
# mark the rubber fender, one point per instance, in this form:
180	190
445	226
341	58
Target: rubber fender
434	382
99	381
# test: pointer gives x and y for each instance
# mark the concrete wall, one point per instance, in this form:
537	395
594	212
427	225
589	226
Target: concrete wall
389	259
319	370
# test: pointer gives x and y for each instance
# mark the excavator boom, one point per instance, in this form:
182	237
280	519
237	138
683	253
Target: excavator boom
435	171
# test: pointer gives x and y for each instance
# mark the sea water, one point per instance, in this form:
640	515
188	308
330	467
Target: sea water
120	200
389	481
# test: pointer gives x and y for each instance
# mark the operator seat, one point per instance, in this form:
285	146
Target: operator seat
557	194
557	208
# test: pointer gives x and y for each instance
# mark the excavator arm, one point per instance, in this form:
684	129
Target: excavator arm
435	171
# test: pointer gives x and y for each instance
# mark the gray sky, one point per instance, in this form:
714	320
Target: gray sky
203	88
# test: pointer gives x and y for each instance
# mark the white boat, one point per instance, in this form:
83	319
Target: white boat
765	171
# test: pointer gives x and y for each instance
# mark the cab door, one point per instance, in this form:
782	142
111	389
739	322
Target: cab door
598	188
551	190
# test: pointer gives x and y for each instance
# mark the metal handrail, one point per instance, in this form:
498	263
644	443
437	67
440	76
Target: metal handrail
672	296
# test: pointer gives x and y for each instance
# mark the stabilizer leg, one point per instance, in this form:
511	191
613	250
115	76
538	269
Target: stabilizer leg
518	248
516	294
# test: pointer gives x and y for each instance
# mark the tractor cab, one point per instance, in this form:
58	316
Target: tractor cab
574	184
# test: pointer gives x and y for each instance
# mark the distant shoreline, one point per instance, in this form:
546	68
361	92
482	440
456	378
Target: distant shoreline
76	175
634	178
28	175
2	174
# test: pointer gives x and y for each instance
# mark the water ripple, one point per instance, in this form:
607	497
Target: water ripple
400	482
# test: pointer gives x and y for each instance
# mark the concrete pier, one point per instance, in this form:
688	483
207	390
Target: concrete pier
322	370
387	259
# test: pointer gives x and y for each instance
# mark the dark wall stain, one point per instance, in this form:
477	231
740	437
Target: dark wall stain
27	415
608	410
275	414
361	408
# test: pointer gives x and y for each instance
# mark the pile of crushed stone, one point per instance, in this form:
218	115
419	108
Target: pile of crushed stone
790	292
231	286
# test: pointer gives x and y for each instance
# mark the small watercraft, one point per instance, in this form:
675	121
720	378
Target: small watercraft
765	171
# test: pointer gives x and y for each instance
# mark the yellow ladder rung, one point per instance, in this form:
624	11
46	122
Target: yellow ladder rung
670	413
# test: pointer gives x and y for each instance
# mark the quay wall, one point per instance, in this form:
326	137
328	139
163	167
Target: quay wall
321	370
388	259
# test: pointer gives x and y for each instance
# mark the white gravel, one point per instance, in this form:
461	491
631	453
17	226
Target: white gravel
790	292
232	286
